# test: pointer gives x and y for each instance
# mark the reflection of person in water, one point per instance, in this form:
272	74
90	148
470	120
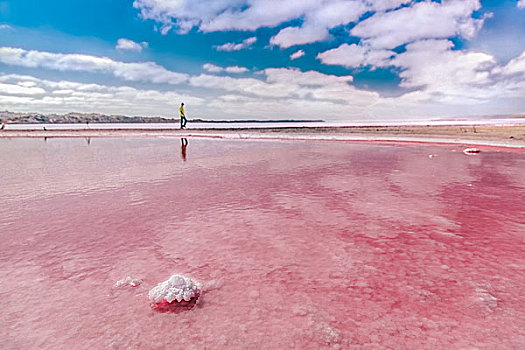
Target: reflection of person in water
183	145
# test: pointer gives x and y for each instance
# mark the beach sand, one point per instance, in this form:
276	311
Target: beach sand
501	136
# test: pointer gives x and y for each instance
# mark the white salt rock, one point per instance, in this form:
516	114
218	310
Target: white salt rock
178	288
470	151
129	281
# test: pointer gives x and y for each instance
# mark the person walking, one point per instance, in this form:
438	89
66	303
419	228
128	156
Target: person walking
182	116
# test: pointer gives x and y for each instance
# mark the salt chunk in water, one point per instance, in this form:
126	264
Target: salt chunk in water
129	281
470	151
177	287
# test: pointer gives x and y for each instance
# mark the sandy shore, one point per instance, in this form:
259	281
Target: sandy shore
500	136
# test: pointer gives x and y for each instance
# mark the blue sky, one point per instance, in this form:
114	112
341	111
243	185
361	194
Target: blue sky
300	59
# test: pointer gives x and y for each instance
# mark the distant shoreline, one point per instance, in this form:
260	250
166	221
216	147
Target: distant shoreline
254	121
165	121
94	118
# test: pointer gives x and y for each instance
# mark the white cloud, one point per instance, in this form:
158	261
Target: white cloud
292	36
165	29
442	82
20	89
326	15
308	78
236	46
353	56
516	66
383	5
458	82
65	96
236	69
212	68
230	69
422	20
318	20
521	4
6	27
249	86
289	93
220	15
434	67
383	30
131	71
285	94
223	15
285	83
297	54
393	23
130	45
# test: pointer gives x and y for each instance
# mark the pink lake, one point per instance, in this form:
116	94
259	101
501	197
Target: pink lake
302	245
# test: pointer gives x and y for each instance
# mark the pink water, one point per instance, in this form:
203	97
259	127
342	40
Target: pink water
301	245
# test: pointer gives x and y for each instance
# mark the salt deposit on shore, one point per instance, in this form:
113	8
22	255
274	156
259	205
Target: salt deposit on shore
494	136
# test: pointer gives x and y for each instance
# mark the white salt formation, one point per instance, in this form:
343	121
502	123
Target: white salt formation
471	151
178	288
129	281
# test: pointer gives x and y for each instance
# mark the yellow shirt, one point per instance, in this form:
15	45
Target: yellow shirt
181	111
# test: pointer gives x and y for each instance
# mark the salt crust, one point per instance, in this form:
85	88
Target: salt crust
261	136
129	281
177	287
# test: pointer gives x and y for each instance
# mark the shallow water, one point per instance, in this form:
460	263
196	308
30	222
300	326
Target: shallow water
297	244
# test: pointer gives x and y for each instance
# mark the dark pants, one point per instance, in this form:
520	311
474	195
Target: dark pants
183	122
